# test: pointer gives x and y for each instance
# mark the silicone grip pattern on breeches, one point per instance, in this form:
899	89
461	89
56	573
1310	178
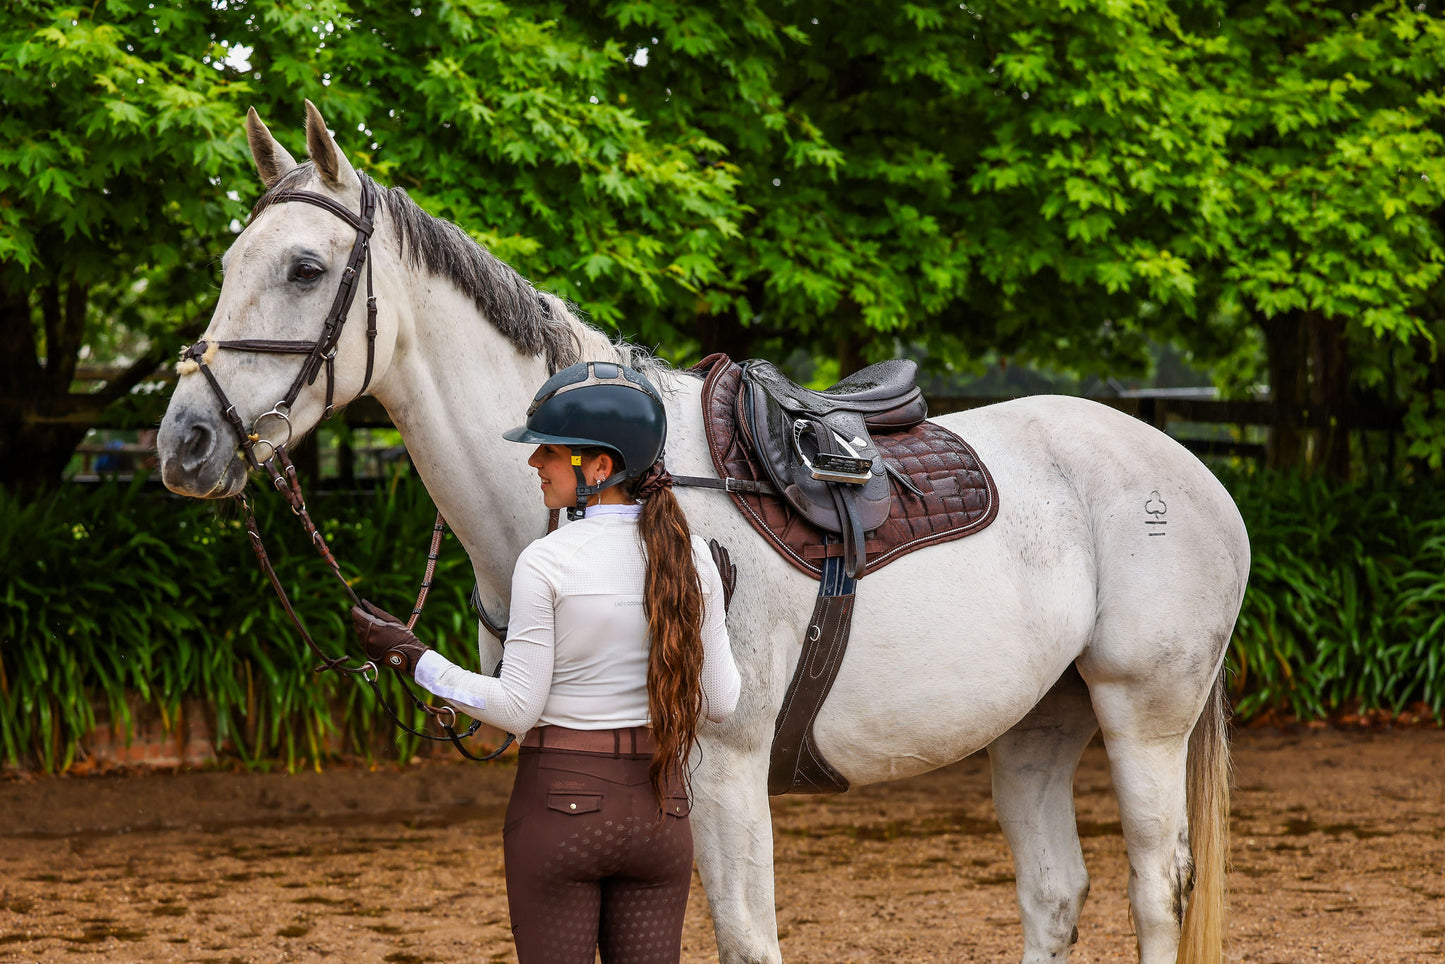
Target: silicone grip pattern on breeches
591	863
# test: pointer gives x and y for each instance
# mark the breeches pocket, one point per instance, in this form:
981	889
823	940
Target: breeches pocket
590	787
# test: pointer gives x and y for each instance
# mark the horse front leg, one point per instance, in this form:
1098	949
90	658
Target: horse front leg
1033	768
733	843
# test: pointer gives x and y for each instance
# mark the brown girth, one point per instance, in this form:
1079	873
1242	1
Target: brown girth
796	764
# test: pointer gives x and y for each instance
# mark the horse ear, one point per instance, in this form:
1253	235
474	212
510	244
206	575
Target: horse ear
330	163
271	158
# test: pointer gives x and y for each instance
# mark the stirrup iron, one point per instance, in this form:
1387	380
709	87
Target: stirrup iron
848	469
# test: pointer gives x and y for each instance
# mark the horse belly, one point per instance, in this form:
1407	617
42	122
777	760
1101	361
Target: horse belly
953	645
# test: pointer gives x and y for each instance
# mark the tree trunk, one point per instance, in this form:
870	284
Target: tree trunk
850	355
346	463
850	339
306	456
34	458
40	425
724	332
1330	393
1284	342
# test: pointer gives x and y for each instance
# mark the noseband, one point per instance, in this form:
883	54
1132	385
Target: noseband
318	352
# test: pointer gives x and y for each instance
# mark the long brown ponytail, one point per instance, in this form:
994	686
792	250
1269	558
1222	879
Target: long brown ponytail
672	600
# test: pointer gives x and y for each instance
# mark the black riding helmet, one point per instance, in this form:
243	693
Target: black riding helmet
603	405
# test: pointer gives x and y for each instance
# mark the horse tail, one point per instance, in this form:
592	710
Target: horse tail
1202	939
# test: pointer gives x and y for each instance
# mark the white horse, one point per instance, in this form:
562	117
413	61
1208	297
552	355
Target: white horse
1070	614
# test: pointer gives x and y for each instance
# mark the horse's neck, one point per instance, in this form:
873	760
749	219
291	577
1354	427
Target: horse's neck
455	385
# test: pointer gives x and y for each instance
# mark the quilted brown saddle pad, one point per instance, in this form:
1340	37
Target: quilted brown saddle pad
958	496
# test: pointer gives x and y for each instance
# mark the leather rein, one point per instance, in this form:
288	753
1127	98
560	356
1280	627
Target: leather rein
281	471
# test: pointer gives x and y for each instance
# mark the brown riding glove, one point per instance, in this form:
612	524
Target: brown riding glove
386	639
725	569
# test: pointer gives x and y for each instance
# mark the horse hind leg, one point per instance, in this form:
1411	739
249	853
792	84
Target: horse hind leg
1167	773
1033	768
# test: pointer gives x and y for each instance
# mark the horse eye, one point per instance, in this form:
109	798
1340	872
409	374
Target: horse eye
306	271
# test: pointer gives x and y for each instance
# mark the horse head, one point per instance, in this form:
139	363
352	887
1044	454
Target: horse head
289	339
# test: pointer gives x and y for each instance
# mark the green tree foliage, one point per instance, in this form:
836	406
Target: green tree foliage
1260	171
110	139
1328	235
125	168
961	177
1063	182
1336	160
1067	181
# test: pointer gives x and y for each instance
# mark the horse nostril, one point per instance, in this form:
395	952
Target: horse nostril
196	447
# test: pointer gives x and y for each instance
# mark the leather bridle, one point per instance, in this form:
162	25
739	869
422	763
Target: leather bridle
320	352
282	472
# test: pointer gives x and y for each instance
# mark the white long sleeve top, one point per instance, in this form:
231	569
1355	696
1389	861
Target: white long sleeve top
577	638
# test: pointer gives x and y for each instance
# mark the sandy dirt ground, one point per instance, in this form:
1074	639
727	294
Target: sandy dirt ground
1338	853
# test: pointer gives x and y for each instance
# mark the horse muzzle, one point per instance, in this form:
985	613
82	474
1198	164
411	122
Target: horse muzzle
197	453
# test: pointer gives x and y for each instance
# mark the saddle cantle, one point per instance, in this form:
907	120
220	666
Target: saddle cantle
841	482
886	394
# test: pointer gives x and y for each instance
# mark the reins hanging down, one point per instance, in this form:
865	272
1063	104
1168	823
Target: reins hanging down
285	481
282	472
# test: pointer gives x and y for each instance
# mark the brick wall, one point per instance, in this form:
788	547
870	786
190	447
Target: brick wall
189	740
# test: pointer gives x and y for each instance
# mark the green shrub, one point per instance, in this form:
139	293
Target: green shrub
1346	598
113	592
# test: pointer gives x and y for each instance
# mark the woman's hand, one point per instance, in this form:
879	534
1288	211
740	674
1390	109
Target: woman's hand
386	639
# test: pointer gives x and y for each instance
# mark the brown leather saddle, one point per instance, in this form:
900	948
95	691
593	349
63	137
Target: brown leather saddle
841	482
935	487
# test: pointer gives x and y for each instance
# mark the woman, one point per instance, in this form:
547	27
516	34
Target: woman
616	647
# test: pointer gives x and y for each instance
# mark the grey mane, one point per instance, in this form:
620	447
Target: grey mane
528	318
642	360
517	309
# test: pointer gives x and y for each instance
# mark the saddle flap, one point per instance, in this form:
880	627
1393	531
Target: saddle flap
787	452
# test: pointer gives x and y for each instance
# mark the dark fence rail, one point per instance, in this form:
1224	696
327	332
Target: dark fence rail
1207	426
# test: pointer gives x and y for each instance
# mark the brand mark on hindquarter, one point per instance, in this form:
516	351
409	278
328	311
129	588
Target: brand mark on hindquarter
1154	508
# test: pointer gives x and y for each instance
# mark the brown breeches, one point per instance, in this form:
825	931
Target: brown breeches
592	863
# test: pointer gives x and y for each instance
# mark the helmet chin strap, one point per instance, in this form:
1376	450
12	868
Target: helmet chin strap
585	491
